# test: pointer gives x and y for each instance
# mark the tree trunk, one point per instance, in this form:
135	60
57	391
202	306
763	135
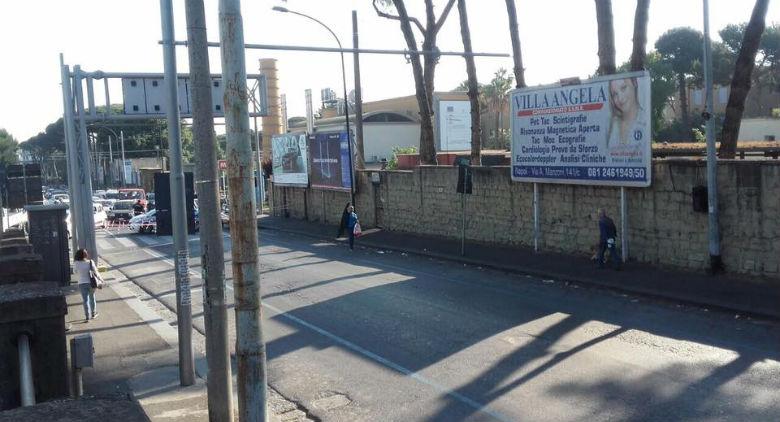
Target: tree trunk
429	69
606	37
740	83
517	55
640	35
471	71
427	147
683	89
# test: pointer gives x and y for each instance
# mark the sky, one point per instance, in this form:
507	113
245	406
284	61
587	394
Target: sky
558	39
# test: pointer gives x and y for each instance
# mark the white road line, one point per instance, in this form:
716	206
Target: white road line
148	240
479	407
126	242
104	244
392	365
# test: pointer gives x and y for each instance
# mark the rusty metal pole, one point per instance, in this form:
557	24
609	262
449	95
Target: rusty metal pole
220	385
250	348
360	157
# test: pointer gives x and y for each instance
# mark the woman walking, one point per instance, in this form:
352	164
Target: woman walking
352	221
344	220
85	269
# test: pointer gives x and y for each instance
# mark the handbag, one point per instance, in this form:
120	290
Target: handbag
94	279
357	231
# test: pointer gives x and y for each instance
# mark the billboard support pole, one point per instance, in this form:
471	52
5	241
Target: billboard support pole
83	190
623	224
536	217
463	223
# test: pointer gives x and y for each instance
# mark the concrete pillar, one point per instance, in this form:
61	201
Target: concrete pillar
272	124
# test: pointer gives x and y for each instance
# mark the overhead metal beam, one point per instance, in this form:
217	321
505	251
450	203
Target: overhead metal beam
353	50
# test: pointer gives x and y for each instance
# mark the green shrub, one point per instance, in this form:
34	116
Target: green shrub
393	163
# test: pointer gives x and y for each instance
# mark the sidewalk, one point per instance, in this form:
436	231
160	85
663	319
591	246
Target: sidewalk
729	292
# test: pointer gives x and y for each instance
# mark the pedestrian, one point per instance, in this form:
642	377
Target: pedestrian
351	223
138	208
344	220
607	240
86	269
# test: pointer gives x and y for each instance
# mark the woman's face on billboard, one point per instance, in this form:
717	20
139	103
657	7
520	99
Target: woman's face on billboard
623	95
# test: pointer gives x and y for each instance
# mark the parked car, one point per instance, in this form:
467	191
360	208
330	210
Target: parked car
122	210
61	198
144	222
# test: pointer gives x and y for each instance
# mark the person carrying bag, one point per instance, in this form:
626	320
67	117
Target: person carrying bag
89	279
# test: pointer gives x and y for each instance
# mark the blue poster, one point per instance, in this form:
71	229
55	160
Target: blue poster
330	162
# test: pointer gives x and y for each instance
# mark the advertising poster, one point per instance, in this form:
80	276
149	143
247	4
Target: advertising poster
454	120
290	159
330	163
597	132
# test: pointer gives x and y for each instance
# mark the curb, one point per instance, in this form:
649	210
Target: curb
715	304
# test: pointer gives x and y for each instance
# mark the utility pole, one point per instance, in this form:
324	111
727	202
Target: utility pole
110	162
70	161
360	159
178	201
122	140
716	263
83	187
220	385
250	347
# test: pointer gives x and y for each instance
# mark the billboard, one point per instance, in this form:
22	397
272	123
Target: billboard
290	159
330	162
593	133
454	125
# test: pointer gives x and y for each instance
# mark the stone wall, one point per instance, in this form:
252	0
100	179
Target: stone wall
663	228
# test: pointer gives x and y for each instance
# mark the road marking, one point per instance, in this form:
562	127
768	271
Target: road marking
126	242
148	240
392	365
104	244
373	356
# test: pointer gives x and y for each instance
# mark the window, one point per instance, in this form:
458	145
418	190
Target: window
154	83
156	107
133	83
769	138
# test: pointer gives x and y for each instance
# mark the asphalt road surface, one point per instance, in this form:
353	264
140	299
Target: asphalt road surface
378	336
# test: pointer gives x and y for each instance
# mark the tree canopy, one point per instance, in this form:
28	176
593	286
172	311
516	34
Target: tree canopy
8	147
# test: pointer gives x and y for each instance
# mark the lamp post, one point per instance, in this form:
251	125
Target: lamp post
346	103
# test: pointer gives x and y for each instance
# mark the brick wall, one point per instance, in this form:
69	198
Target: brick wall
663	229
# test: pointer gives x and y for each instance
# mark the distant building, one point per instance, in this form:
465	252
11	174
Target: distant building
759	129
389	123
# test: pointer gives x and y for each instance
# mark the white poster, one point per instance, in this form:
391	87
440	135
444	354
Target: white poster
128	171
290	159
597	132
454	125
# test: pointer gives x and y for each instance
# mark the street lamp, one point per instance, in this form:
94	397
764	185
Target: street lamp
346	103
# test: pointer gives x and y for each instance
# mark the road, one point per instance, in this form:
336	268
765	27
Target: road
378	336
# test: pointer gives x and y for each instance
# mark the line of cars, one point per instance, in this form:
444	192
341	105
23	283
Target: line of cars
107	205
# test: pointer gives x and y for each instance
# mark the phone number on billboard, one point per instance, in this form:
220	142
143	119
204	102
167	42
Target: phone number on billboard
622	173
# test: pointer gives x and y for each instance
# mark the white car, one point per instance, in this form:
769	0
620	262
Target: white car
61	198
144	222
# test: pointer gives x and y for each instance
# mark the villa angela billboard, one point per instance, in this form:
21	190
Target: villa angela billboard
290	159
593	133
